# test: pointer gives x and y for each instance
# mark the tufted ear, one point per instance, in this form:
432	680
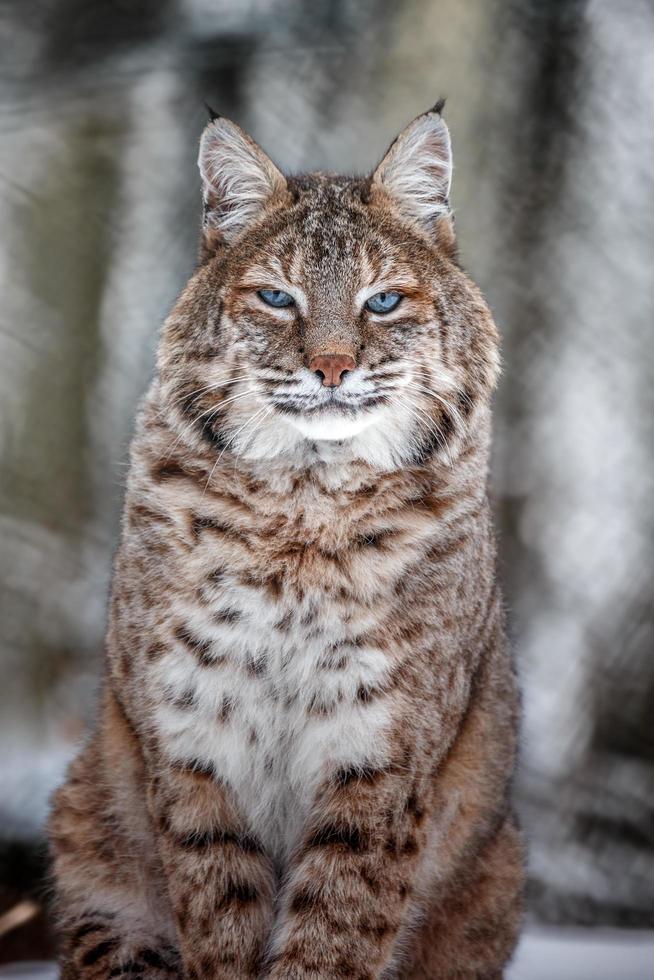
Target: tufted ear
237	178
417	171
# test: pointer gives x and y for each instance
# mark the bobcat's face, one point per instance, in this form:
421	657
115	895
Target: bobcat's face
329	310
332	310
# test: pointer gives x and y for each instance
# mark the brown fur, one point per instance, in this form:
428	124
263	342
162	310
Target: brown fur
330	619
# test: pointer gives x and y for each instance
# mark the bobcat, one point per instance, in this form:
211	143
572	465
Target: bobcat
307	726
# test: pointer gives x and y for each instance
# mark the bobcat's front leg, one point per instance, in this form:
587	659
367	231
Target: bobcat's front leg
220	881
349	892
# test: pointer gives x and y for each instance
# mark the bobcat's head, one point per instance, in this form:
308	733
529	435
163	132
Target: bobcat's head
329	315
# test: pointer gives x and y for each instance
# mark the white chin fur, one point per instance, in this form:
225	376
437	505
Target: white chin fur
332	427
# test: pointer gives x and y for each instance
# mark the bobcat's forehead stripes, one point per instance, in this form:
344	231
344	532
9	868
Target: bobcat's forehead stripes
307	727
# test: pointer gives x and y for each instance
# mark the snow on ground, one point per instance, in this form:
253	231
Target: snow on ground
584	954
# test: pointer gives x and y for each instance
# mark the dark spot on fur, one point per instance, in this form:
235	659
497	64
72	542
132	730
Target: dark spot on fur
404	848
183	701
247	842
202	840
131	968
284	623
272	584
168	469
215	439
199	648
153	959
434	441
98	952
464	402
446	424
86	929
360	774
303	901
155	651
227	616
226	708
239	892
369	880
139	514
200	524
334	835
378	928
431	444
318	708
125	663
364	694
187	405
256	667
196	841
414	808
447	549
345	968
184	634
196	768
374	539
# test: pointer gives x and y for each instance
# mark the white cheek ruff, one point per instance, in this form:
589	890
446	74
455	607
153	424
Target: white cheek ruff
331	427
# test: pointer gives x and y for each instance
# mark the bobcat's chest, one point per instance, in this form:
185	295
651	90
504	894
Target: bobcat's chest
274	697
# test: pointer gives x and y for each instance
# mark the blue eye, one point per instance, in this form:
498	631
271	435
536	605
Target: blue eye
383	302
276	297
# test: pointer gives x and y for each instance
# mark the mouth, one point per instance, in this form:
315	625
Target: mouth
335	413
329	413
330	401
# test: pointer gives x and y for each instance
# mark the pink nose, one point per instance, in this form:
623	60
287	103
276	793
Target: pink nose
331	368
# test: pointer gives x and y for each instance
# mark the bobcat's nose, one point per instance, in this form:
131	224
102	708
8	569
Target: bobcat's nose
330	368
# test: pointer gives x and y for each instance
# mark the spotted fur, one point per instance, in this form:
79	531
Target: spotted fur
302	760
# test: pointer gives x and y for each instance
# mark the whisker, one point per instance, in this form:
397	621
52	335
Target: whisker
446	379
230	442
188	426
240	429
214	386
226	401
431	425
452	409
251	433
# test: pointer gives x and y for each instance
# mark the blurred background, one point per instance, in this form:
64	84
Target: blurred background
551	110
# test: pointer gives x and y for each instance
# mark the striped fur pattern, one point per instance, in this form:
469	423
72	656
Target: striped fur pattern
303	755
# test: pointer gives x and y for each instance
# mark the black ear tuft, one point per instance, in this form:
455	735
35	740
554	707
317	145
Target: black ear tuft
417	171
440	105
237	178
213	115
